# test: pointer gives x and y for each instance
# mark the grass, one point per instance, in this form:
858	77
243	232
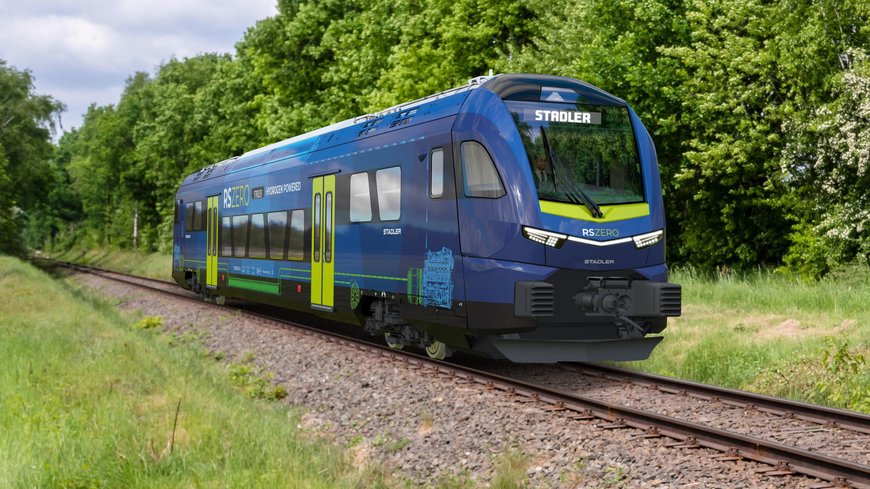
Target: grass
89	399
772	334
151	265
760	331
92	399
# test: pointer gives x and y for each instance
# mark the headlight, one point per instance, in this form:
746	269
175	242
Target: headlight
648	239
544	237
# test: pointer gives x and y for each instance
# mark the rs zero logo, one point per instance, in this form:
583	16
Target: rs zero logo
237	196
601	233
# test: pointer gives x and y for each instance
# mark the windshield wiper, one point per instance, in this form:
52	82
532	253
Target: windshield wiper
574	193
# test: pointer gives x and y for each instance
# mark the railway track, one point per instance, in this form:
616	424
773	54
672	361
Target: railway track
782	459
785	408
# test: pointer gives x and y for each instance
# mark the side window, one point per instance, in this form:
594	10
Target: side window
481	178
360	198
257	247
203	214
226	237
277	234
316	246
240	235
436	173
177	211
327	231
197	216
297	236
188	217
389	181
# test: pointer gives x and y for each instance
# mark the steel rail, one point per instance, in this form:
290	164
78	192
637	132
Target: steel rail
833	417
784	459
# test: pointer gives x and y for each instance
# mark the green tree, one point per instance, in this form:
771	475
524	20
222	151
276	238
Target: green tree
716	83
27	121
168	136
827	165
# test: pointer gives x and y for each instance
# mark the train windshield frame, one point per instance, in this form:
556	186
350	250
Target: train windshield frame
580	152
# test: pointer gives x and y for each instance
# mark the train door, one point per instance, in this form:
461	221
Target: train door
323	242
211	247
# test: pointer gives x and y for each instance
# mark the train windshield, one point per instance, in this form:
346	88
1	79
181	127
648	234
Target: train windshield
580	153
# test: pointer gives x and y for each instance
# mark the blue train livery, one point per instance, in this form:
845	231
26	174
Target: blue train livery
519	217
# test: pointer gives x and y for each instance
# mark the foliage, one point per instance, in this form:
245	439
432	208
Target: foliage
831	170
718	84
758	110
149	322
27	121
842	384
255	381
511	470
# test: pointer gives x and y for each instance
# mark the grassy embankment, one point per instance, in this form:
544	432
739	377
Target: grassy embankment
773	334
762	331
89	400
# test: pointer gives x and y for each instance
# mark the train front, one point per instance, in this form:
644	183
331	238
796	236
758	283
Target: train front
588	277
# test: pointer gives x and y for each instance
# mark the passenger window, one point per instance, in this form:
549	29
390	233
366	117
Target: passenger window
188	217
327	240
257	247
240	235
481	178
316	246
389	181
360	198
297	236
277	234
203	214
197	216
226	237
436	177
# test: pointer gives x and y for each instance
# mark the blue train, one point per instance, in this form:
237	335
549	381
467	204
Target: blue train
519	216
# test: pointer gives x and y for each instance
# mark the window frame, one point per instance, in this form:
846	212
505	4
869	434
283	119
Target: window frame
272	246
353	197
265	254
316	217
199	212
222	244
189	212
327	227
291	253
480	194
382	201
432	173
244	253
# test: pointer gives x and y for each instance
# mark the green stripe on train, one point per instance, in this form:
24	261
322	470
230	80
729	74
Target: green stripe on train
255	285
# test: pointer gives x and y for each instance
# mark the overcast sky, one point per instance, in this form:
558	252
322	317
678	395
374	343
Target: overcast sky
82	51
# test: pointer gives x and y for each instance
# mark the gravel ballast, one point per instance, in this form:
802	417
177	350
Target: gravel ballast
424	427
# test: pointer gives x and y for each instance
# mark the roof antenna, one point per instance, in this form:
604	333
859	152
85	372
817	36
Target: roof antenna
490	72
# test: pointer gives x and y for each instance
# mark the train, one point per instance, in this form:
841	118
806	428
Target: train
517	217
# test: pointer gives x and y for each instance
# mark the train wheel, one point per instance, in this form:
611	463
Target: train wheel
393	342
220	300
437	350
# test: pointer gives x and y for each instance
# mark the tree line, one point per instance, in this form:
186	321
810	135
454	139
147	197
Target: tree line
760	111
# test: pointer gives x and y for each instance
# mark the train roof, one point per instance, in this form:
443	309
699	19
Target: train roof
520	87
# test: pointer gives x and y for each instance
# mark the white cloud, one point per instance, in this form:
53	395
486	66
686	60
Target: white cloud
50	42
82	51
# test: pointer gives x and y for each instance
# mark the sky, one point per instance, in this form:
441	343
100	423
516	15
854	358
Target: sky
82	51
